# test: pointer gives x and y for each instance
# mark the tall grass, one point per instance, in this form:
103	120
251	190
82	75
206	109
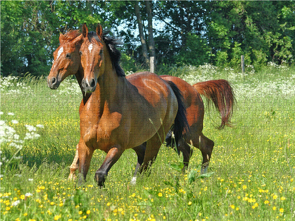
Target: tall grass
251	174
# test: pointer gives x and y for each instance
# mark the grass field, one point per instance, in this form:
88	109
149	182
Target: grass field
251	174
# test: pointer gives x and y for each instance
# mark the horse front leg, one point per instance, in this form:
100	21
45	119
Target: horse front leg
74	166
112	156
85	154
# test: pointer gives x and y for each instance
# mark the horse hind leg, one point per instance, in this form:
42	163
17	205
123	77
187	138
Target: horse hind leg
205	145
187	152
182	147
140	152
152	148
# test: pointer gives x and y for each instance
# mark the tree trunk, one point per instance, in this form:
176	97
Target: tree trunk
151	37
140	28
89	7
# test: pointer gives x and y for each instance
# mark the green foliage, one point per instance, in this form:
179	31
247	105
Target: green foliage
128	64
30	31
185	32
260	58
221	58
195	52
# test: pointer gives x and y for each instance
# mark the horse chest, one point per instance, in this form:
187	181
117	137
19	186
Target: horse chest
102	133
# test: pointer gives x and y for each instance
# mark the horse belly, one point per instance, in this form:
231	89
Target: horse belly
153	99
145	124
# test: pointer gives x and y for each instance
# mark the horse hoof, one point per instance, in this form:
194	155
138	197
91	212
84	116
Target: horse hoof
204	167
72	177
100	179
133	181
204	170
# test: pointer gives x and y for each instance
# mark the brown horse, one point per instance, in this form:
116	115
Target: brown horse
66	64
66	59
219	91
222	96
112	117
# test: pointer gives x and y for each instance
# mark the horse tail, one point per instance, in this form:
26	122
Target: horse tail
222	95
180	122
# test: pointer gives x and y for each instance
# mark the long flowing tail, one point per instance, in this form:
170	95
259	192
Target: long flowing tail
180	122
222	95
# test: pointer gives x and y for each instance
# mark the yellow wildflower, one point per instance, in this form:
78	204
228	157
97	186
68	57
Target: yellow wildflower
274	208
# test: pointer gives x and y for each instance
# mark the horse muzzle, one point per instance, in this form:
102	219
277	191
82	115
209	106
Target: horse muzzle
88	86
53	83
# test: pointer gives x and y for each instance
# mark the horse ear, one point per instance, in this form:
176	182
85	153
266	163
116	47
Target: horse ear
77	39
61	38
99	31
84	30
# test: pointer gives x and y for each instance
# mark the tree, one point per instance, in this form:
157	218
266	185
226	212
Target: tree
183	20
151	37
30	30
250	28
141	34
184	32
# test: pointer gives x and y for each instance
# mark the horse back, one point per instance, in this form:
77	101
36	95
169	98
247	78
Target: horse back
192	100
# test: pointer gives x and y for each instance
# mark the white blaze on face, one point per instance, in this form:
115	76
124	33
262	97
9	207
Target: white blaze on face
61	50
90	47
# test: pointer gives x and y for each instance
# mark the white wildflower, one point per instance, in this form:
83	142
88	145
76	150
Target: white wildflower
18	158
16	145
15	203
28	194
11	114
32	135
14	121
16	136
40	125
36	136
30	128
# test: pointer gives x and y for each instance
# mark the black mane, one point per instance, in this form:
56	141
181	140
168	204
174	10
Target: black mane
111	44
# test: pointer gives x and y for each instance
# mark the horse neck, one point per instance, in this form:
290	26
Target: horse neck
108	85
79	76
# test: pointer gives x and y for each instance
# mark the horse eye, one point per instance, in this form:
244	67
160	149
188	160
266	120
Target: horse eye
80	53
68	55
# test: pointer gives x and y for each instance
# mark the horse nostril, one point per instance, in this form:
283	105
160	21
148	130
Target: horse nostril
92	83
53	81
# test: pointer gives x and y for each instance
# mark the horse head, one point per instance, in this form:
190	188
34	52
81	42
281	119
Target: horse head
66	58
92	57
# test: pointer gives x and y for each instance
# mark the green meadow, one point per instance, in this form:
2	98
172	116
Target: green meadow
251	175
